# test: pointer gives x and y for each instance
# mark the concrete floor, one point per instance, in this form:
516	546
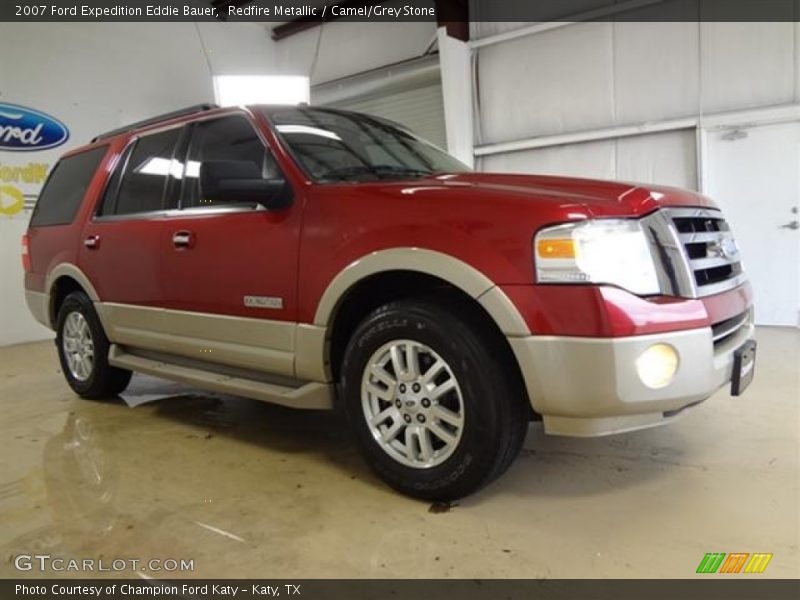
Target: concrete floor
247	489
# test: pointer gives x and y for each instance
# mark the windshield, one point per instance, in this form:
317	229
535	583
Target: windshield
334	146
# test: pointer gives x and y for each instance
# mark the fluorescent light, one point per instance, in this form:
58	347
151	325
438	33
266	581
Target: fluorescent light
161	166
193	168
235	90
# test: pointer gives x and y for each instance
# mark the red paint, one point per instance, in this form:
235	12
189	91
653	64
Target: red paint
26	257
485	220
205	277
605	311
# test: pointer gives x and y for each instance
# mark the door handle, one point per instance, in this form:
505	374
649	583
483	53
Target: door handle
92	242
182	239
794	225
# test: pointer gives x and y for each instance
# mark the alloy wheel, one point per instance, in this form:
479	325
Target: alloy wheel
412	403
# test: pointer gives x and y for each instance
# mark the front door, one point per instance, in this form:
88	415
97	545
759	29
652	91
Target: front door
229	269
754	175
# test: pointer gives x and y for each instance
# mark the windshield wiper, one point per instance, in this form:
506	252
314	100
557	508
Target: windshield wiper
379	171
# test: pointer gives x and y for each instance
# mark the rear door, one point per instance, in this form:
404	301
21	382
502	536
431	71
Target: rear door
120	250
229	270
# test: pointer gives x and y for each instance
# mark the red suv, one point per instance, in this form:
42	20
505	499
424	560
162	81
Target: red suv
313	257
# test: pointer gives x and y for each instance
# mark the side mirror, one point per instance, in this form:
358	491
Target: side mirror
241	181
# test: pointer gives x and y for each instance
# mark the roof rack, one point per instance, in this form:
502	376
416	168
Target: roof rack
189	110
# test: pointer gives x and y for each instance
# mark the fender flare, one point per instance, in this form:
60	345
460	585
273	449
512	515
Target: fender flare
73	272
443	266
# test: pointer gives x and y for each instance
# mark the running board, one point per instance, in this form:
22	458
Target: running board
311	395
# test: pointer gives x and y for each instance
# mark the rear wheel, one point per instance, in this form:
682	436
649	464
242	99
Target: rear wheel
436	413
83	350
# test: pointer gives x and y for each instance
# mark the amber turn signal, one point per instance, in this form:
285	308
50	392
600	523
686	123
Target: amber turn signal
558	248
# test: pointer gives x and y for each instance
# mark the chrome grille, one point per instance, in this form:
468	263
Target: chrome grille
710	248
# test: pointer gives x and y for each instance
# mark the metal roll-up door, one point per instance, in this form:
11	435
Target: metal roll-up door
409	94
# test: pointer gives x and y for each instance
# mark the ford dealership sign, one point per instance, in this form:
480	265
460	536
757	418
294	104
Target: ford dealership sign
25	129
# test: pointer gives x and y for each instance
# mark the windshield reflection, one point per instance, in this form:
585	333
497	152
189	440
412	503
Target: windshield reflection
335	146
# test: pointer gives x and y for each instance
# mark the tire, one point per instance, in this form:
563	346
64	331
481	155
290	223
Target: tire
467	446
83	351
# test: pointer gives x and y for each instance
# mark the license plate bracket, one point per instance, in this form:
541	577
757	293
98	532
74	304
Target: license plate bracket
744	367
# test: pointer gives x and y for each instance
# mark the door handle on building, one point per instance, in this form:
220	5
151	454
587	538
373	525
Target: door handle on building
794	225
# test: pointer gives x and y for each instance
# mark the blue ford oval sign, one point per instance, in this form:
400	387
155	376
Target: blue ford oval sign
24	129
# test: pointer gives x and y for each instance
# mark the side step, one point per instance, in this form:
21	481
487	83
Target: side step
311	395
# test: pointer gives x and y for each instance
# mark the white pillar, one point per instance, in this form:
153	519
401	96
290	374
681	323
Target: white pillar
456	68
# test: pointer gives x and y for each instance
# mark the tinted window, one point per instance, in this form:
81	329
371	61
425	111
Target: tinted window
228	139
65	188
150	162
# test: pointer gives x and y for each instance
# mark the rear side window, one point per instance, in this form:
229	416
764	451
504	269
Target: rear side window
65	188
150	163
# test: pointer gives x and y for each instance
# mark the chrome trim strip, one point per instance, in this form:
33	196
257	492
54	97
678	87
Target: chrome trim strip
183	212
722	286
695	213
669	253
710	262
704	236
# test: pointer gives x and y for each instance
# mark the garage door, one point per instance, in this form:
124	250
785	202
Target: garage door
408	92
421	109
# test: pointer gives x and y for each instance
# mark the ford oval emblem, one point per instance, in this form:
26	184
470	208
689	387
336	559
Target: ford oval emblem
24	129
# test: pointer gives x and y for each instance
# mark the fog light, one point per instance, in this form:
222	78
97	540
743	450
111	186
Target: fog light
657	365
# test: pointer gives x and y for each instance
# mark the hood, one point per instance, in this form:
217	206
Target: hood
599	198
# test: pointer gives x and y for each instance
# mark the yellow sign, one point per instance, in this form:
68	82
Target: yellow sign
17	181
32	173
12	200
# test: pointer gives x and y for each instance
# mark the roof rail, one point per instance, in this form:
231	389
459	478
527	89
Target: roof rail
189	110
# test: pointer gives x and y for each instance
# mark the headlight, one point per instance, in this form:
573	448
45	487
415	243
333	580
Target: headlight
613	251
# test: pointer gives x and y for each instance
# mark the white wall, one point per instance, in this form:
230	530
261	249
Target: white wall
596	75
668	158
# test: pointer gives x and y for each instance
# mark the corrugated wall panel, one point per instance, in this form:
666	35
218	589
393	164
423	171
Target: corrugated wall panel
420	109
745	65
549	83
662	158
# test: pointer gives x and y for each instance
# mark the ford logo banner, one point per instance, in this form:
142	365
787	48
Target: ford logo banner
25	129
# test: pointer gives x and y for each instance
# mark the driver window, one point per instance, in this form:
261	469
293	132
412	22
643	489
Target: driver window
229	138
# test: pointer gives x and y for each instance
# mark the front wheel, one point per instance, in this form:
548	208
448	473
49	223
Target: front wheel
83	350
436	412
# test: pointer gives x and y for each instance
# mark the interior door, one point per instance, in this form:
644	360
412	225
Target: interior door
754	175
229	269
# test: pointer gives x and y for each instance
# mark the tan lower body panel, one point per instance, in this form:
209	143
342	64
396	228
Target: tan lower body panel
39	305
309	395
257	344
591	387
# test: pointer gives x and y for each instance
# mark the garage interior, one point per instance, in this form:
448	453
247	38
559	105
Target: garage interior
249	489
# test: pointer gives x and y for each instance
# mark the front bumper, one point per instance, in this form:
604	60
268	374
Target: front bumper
585	386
